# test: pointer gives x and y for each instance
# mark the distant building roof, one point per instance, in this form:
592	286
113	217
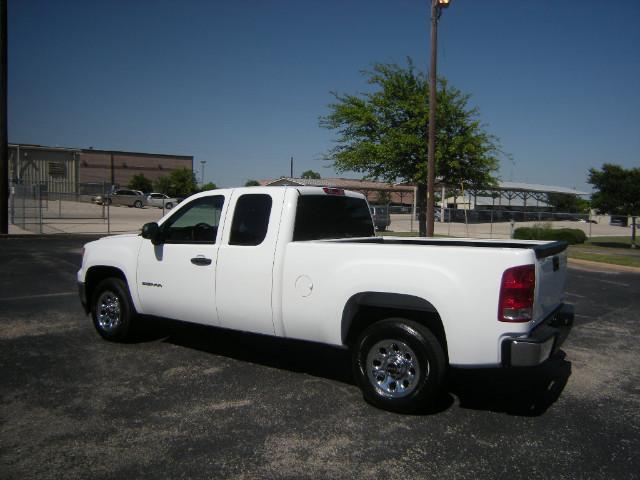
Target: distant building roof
97	150
532	187
338	182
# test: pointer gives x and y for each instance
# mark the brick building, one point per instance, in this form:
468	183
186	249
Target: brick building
79	170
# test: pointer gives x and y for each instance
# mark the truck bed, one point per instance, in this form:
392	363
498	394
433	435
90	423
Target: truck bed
541	249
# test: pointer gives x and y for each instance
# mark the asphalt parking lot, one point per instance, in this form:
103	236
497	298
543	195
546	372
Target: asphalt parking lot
201	402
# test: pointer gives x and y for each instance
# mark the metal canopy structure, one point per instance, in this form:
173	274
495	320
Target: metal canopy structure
501	195
510	191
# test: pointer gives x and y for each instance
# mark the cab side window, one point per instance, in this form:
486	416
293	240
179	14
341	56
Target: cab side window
250	220
196	222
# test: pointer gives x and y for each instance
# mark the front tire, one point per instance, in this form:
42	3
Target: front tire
169	206
399	365
112	310
137	204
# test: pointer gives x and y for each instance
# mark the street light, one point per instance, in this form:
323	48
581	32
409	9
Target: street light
436	11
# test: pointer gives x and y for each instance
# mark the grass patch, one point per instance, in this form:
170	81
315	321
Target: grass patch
614	250
626	260
609	242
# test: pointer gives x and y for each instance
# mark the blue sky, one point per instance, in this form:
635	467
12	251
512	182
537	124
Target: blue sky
241	83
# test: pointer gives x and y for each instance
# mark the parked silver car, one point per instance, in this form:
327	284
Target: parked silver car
161	200
129	198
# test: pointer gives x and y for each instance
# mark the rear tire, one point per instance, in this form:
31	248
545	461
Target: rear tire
399	365
169	206
112	310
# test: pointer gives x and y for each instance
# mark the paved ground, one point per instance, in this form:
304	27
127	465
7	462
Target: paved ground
200	402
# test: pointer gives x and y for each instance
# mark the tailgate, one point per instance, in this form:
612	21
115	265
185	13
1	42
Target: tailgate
551	275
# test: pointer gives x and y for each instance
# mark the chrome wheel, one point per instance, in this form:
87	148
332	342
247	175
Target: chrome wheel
393	368
108	311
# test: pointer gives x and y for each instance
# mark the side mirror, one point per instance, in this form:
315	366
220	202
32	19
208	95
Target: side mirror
151	231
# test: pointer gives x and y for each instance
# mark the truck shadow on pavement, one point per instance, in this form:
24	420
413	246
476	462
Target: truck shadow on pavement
516	391
521	392
314	359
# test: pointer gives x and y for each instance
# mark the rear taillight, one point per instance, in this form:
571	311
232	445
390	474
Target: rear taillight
516	294
333	191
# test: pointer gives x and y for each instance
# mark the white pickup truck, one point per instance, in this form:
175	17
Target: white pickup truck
303	263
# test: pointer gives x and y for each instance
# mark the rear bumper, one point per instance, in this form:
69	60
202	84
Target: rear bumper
541	342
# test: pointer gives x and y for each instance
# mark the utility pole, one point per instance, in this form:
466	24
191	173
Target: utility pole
4	141
436	10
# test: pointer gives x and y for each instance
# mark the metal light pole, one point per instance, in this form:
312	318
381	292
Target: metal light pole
202	162
436	11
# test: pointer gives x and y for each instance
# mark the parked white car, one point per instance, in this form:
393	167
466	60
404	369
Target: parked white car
161	200
123	196
303	263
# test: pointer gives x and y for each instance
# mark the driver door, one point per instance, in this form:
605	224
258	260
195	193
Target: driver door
176	279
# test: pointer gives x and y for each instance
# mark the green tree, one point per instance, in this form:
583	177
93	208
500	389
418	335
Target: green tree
383	133
311	174
162	184
180	182
566	202
617	192
140	182
252	183
208	186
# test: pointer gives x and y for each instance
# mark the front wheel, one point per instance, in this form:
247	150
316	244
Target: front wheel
169	206
137	204
112	310
399	365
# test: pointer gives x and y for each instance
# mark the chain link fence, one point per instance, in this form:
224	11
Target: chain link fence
501	223
35	209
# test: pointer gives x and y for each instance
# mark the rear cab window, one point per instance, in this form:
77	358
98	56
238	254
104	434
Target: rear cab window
250	219
332	216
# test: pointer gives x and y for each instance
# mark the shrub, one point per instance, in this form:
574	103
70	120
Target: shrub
569	235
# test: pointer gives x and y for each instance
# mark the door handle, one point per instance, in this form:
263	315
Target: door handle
200	260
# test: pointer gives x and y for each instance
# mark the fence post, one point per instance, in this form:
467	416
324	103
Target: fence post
24	196
12	199
491	226
39	209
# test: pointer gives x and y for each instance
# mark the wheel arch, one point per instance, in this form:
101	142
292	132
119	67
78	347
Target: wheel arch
365	308
98	273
